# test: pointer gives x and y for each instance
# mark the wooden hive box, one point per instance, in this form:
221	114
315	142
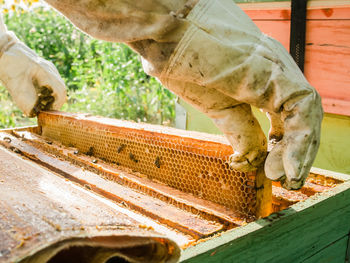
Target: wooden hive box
125	165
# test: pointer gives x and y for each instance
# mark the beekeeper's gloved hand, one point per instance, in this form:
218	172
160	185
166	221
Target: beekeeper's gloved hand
223	65
33	82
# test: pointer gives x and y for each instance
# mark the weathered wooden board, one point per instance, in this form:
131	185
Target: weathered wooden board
292	235
42	214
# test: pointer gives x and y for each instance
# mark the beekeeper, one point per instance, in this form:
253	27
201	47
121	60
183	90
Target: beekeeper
210	54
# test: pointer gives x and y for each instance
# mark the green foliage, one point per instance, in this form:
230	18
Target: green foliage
102	78
10	115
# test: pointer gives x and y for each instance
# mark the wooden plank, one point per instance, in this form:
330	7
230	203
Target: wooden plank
327	59
276	29
336	106
327	64
333	253
326	13
291	235
328	33
321	9
327	69
42	213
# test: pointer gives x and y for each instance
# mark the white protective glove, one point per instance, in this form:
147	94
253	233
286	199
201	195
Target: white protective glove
33	82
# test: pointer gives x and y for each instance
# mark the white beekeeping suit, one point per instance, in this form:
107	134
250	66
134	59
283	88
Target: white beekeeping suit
214	57
34	83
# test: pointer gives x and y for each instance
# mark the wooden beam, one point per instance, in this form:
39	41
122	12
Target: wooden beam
263	194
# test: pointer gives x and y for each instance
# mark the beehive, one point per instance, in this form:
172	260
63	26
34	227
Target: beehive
175	182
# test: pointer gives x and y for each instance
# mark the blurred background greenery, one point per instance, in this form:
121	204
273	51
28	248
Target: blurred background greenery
102	78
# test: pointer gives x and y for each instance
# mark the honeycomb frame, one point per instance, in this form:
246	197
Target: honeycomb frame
192	162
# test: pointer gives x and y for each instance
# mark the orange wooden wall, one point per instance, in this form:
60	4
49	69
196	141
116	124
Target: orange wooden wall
327	57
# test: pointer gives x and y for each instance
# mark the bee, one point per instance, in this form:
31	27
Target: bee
90	151
124	204
259	188
49	142
157	162
87	186
15	150
76	152
133	158
121	148
94	161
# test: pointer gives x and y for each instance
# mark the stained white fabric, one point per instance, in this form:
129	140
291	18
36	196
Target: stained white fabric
34	83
